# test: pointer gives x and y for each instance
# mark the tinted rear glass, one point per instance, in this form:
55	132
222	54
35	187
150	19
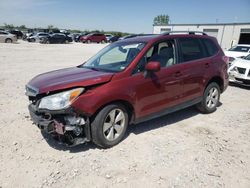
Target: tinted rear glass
211	48
191	49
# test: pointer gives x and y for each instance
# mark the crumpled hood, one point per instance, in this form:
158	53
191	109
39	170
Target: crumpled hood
67	78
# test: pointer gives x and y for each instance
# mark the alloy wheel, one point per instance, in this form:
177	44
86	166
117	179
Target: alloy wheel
114	124
212	97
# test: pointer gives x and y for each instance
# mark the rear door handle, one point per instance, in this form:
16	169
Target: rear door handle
207	65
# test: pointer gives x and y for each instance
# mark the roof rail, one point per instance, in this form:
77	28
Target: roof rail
181	32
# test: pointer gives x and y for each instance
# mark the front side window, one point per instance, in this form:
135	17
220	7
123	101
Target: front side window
115	57
191	49
163	52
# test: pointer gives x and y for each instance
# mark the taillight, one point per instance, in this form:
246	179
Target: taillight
226	59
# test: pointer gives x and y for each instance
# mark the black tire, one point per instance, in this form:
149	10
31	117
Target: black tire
97	125
203	106
8	40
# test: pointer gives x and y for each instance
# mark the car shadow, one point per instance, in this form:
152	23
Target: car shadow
139	128
235	85
163	121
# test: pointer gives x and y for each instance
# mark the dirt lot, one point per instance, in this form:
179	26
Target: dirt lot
183	149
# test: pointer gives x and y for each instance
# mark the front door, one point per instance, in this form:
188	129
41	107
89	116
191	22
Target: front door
157	91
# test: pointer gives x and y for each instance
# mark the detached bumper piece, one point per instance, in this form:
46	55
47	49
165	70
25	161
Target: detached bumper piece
65	126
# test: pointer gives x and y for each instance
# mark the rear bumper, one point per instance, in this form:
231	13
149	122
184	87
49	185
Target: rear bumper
57	125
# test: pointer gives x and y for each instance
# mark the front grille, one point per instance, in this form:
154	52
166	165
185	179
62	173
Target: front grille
241	70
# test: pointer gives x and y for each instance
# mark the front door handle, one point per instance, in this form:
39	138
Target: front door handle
207	65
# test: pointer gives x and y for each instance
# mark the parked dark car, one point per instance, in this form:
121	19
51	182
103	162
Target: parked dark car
19	34
56	38
94	37
113	39
129	81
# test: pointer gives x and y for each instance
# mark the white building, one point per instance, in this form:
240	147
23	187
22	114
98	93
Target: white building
227	34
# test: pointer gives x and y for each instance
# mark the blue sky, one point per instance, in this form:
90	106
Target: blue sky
116	15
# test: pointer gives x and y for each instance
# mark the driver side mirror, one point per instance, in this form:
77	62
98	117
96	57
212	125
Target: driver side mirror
153	66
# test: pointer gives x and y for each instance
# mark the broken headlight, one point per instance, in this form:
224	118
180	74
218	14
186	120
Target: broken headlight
61	100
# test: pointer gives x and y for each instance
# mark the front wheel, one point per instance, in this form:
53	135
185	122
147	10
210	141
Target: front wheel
211	98
8	41
109	125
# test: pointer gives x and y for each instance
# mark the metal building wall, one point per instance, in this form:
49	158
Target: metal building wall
228	34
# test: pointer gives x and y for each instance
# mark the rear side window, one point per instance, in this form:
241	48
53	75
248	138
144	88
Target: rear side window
191	49
211	48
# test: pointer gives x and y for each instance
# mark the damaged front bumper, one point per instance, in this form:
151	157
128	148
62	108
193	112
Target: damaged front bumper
66	126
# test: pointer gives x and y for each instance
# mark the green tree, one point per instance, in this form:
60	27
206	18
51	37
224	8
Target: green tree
161	20
22	27
8	26
50	27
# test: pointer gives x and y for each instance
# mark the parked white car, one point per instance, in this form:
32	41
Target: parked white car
37	37
108	36
240	50
7	37
239	72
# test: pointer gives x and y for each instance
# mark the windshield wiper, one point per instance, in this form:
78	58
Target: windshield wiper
92	68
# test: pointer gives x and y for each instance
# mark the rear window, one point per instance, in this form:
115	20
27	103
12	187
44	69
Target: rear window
191	49
211	48
240	48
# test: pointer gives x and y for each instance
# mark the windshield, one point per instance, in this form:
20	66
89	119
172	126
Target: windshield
239	48
115	57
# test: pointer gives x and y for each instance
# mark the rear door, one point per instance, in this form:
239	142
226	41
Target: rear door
95	38
195	64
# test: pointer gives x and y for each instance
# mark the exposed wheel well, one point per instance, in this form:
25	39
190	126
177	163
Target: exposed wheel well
8	39
217	80
126	104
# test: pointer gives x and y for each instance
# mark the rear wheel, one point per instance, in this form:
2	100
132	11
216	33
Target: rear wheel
88	41
8	40
66	42
211	98
103	41
109	126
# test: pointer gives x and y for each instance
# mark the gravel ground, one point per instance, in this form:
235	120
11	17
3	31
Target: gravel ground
182	149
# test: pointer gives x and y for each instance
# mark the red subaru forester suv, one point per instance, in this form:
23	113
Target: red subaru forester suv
127	82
